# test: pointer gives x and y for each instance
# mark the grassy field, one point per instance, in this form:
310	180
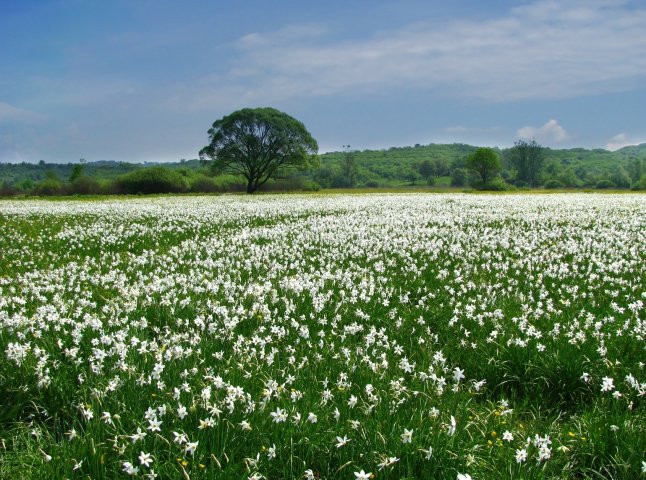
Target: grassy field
324	336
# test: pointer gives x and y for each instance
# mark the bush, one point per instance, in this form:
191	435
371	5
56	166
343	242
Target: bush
460	177
639	184
230	183
602	184
495	185
290	185
152	180
49	186
204	184
85	186
553	184
8	190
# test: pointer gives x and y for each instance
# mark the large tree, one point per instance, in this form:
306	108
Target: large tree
259	143
486	163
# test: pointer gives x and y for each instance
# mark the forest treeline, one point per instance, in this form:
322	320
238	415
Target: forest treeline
436	165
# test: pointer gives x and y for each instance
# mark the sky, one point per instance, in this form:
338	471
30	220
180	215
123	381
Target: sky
143	80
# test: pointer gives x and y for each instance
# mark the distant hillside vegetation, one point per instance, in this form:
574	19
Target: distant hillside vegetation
419	165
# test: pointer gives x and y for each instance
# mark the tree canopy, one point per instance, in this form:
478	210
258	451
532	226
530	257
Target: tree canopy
259	143
486	163
528	158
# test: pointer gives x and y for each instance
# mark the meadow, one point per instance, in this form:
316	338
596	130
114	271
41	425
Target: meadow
386	336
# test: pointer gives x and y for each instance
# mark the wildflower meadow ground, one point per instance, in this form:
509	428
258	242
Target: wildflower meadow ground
324	337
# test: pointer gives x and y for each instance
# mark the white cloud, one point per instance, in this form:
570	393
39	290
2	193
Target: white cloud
621	140
550	133
546	49
11	114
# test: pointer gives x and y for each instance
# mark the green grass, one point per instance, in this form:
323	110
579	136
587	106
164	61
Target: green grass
237	307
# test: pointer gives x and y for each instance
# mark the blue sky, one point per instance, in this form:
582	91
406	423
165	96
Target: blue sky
142	80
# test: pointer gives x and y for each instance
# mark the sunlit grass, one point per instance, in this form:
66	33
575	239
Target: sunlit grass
321	336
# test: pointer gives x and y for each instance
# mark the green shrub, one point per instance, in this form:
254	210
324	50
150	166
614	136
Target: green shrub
85	186
204	184
152	180
495	185
230	183
640	184
605	183
553	184
49	186
460	177
290	185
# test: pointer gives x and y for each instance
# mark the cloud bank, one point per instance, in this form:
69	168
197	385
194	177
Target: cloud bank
551	133
544	50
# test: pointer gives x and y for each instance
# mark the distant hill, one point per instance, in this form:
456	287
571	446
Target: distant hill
389	167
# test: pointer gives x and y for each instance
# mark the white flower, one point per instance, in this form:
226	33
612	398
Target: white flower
407	436
154	424
429	453
190	448
145	459
130	469
271	452
46	457
245	425
362	475
464	476
387	461
507	436
309	474
452	427
135	437
608	384
521	455
341	441
312	418
279	415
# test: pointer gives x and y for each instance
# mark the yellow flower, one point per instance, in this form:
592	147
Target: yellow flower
493	433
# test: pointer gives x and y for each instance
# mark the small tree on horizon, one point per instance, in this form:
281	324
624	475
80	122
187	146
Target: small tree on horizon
529	159
258	143
486	163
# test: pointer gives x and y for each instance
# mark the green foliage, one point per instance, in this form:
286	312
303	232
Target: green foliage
460	177
528	158
497	184
603	184
152	180
553	184
393	167
49	186
85	186
620	177
485	162
640	184
258	144
78	171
